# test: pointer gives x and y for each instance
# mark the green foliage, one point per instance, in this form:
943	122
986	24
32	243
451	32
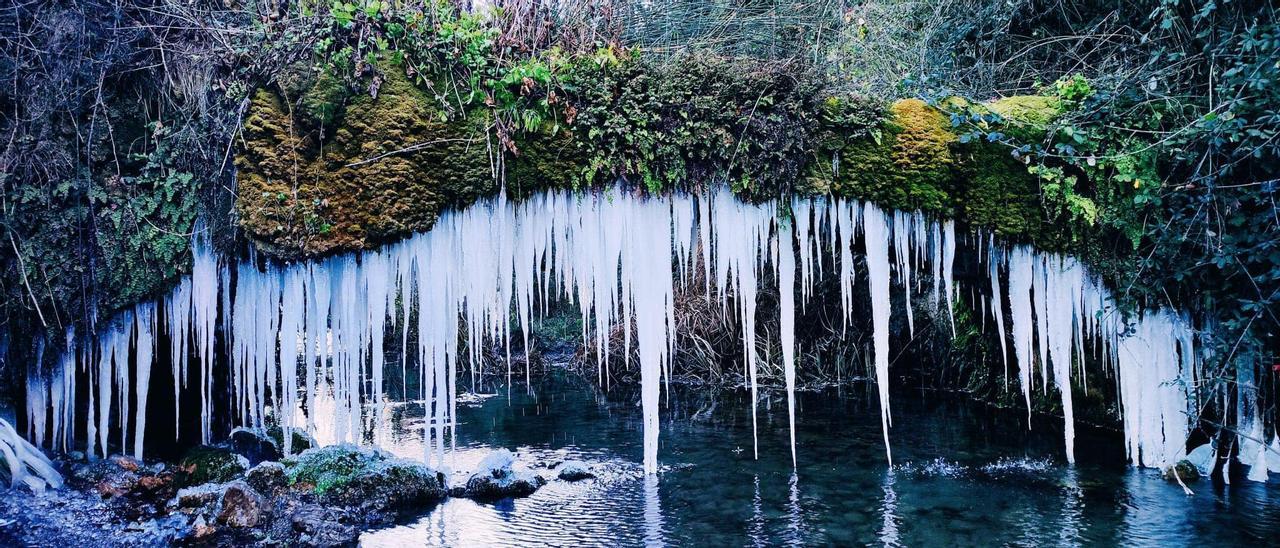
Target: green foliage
1073	89
694	121
148	218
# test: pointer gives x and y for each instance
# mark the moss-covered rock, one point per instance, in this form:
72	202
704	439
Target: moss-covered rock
906	164
385	166
206	464
371	480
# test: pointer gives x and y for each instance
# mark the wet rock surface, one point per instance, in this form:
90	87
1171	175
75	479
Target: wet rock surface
497	478
320	497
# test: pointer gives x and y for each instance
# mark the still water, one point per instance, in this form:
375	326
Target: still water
963	475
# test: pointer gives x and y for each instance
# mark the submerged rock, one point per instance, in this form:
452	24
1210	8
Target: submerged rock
1183	469
496	478
574	470
240	506
206	463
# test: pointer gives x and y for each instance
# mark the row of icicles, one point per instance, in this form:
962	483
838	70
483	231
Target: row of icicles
608	253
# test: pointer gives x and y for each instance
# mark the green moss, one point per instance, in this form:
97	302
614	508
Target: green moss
907	164
348	474
206	464
387	167
1032	110
325	467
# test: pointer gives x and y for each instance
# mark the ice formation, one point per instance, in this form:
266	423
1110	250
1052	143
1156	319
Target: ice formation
26	465
296	334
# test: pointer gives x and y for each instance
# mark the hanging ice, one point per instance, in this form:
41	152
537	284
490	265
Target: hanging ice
620	258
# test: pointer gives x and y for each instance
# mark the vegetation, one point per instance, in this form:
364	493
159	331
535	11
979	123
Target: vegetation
1140	135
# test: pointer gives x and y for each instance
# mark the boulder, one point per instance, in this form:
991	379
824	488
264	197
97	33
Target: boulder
240	506
574	470
497	478
254	444
362	478
1184	469
193	498
299	440
267	477
206	463
317	525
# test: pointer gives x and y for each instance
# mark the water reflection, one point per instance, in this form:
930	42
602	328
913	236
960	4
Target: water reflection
652	513
967	478
889	510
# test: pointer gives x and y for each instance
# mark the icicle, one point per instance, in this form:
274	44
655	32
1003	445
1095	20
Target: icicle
876	235
1020	275
787	325
948	265
145	314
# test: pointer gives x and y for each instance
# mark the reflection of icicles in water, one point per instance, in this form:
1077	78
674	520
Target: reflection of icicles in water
756	525
1072	509
620	259
795	513
888	534
653	535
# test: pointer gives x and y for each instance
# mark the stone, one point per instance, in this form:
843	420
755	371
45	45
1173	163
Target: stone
317	525
200	496
1184	469
497	478
254	444
240	506
267	477
206	463
574	470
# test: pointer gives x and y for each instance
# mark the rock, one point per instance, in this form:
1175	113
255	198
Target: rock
389	486
1184	469
121	476
267	477
240	505
300	440
196	497
254	444
201	528
574	470
364	478
496	478
205	464
316	525
127	463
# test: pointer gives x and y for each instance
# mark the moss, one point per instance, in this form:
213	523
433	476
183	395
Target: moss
1031	110
1000	194
206	464
353	476
907	164
544	159
325	468
387	167
333	170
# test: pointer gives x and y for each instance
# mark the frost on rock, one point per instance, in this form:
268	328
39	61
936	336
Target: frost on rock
308	337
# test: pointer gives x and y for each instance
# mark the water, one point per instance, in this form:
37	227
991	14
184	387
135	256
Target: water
964	475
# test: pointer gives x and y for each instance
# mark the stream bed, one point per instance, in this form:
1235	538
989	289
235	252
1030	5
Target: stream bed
963	474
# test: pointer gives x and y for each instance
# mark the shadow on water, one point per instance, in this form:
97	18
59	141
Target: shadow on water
963	475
